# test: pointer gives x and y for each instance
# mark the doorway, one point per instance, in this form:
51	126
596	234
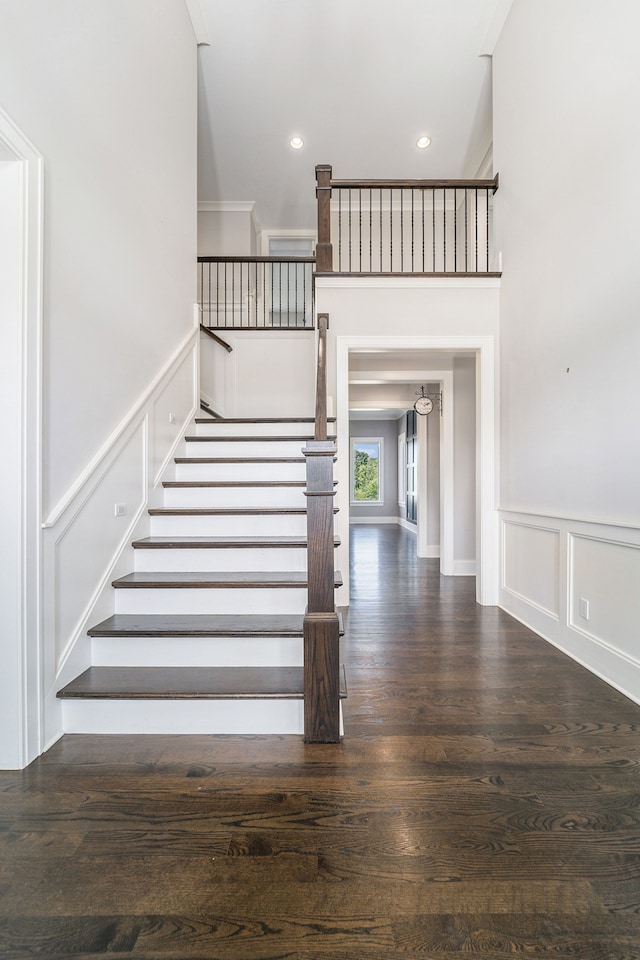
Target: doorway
482	352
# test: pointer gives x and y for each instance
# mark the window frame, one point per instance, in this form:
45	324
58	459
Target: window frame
355	441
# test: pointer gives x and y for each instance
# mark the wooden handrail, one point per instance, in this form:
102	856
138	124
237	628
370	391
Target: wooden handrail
287	259
321	624
416	184
214	336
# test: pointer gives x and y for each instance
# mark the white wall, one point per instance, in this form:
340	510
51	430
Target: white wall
566	80
226	229
107	93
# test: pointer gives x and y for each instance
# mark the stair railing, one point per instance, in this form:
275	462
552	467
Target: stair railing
321	624
429	228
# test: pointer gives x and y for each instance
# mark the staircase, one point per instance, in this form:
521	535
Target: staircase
208	631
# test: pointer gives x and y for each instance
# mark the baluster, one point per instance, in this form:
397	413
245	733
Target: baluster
412	241
455	230
487	265
349	229
360	230
391	229
476	212
466	239
444	231
370	230
339	231
433	228
380	229
401	231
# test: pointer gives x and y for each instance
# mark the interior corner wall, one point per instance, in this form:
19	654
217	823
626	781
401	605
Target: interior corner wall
565	79
226	233
107	93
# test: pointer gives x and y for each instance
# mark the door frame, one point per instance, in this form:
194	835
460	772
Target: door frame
21	712
484	347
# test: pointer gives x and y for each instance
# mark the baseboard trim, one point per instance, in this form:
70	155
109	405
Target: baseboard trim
464	568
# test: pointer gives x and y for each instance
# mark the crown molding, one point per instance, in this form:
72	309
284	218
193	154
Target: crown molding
498	21
198	22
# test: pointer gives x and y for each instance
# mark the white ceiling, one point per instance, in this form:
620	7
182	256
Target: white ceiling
358	80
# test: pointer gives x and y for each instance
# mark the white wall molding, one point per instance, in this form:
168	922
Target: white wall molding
127	469
501	12
198	22
92	467
593	522
411	527
373	519
407	283
596	562
21	256
226	206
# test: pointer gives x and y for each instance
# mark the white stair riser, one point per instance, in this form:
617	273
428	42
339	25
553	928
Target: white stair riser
249	448
229	525
183	600
183	716
185	560
196	651
235	497
240	471
220	429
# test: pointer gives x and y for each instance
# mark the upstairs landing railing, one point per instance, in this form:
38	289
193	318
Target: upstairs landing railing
249	293
414	227
321	624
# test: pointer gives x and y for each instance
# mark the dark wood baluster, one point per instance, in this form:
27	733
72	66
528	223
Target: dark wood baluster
476	213
433	228
370	230
401	231
466	236
412	239
381	267
339	231
391	230
324	250
455	230
487	265
349	205
444	229
360	230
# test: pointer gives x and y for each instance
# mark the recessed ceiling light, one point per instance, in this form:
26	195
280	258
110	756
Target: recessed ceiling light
296	143
423	143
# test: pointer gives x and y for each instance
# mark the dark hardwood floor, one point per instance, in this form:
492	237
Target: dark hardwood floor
485	803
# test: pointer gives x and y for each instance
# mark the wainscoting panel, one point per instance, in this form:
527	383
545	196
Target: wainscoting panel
530	565
577	584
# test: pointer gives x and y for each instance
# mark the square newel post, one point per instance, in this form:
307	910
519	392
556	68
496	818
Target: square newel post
321	624
324	250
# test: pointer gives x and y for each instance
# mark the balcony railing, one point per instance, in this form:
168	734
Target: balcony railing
256	292
417	227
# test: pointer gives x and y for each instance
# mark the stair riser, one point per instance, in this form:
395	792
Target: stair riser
240	471
245	448
235	497
231	525
290	558
211	600
277	717
196	651
219	429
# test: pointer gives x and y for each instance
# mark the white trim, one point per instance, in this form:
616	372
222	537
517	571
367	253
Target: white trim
23	732
570	519
464	568
118	432
198	22
407	525
267	234
226	206
353	519
498	20
397	282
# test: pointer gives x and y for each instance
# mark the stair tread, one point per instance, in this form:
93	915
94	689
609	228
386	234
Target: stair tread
206	484
165	543
264	420
241	439
170	683
239	459
202	625
228	511
221	579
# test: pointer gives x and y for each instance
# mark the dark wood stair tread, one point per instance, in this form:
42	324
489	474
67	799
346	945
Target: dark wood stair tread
239	459
212	543
192	683
202	625
264	420
228	511
237	439
224	579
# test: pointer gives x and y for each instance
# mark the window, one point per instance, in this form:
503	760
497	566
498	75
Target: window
366	470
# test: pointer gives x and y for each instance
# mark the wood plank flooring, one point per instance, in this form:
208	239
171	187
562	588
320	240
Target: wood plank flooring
485	803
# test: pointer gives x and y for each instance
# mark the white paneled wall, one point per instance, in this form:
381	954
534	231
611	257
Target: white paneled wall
577	583
86	545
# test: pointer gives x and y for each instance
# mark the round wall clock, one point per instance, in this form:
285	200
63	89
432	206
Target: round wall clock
423	406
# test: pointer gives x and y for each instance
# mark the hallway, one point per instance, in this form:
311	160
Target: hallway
484	803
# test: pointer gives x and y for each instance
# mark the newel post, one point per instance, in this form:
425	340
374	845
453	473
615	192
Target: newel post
321	624
324	250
